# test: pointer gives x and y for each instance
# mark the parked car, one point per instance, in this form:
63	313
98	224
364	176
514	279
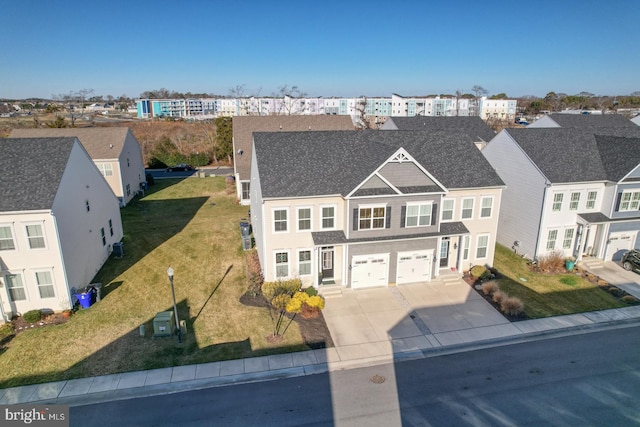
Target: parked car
631	260
180	167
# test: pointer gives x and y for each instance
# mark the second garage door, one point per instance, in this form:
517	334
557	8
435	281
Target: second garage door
369	270
619	243
414	266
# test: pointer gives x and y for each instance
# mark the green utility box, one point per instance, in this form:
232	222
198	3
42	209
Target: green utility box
163	324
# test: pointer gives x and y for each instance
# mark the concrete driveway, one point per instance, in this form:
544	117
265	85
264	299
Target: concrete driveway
613	273
441	312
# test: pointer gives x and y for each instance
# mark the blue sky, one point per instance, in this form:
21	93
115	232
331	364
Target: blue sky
326	48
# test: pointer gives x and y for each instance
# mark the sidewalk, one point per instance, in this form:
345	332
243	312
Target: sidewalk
193	377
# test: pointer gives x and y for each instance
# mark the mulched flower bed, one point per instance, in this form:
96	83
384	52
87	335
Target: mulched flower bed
314	331
473	282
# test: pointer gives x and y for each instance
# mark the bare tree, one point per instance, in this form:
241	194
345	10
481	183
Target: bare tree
478	92
291	97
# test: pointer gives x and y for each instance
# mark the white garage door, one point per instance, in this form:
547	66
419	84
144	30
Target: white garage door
369	270
414	267
619	243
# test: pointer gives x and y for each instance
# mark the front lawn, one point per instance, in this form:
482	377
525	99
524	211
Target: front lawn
191	225
547	295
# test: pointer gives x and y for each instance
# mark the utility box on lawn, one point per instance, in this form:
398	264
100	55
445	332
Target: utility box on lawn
163	324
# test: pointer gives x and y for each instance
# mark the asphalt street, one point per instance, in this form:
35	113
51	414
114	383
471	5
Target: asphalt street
589	379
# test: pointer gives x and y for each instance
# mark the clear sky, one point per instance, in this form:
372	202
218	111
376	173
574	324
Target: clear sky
326	48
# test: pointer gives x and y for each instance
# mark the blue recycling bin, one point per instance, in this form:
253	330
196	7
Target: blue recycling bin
86	298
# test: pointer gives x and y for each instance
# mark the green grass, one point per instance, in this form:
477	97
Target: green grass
547	295
191	225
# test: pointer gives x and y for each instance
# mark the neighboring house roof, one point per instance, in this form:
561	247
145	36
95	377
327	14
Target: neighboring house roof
590	120
101	143
244	126
474	126
302	164
31	170
566	155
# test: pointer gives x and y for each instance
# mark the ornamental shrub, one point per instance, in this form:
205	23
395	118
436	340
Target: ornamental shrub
498	296
489	288
512	306
478	270
315	301
311	291
32	316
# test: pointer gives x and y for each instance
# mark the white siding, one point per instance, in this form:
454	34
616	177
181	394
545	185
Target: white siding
79	231
522	200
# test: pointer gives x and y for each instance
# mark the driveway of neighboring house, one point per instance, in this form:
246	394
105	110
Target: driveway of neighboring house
436	313
613	273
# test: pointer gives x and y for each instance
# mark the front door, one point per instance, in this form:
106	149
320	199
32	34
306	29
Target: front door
444	253
326	259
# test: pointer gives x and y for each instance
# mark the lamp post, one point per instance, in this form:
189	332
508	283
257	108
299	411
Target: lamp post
175	308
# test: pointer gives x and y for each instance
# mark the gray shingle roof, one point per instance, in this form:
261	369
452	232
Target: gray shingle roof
100	142
299	164
474	126
31	170
591	120
581	155
244	126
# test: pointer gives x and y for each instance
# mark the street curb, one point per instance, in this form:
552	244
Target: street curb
325	367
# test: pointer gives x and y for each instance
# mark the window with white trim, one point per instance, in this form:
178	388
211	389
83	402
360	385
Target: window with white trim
15	287
591	199
557	202
280	220
44	281
282	264
6	238
483	246
465	247
567	242
304	262
574	201
370	218
417	215
467	209
103	237
630	201
486	207
111	227
328	217
304	219
106	169
128	189
246	190
35	236
551	239
448	206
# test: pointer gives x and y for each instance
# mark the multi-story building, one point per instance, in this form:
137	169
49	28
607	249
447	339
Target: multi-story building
376	109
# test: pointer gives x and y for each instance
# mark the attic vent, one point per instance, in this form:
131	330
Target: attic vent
401	157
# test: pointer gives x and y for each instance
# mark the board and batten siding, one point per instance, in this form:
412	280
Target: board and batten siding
522	199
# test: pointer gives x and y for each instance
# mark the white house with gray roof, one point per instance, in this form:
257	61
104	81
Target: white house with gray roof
581	121
114	150
569	190
476	128
58	221
371	208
